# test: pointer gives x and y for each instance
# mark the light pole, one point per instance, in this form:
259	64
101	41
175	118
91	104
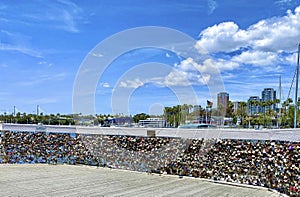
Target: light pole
296	91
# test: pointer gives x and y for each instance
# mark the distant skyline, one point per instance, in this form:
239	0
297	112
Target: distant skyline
43	44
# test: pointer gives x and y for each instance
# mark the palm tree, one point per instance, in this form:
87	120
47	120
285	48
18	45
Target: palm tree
184	112
285	111
278	112
251	103
242	110
229	109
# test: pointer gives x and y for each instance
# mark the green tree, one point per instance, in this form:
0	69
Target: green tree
173	115
142	116
285	115
242	111
229	109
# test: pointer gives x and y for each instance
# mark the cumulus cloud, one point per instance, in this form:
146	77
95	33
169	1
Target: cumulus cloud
209	65
184	74
254	58
187	73
261	44
266	45
270	35
186	65
221	37
291	59
190	72
175	78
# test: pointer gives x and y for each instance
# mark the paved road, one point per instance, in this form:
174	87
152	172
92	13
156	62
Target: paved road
66	180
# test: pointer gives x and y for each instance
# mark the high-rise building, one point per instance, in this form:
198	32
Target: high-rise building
196	108
223	100
236	105
268	94
254	108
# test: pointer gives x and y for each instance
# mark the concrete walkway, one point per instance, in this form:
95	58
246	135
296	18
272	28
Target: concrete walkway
67	180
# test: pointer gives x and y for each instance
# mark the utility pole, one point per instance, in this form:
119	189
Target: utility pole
296	91
206	110
279	104
280	92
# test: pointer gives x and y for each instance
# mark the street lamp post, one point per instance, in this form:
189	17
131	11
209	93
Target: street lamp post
296	91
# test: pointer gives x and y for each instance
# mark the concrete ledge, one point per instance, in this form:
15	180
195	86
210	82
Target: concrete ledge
267	134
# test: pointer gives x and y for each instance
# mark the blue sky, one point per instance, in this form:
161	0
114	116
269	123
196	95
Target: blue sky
44	43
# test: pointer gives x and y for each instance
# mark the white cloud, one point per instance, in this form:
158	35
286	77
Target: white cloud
212	5
21	49
69	22
226	65
222	37
283	4
97	54
189	72
66	14
268	43
291	59
183	74
45	63
43	78
209	65
10	41
274	68
61	14
186	65
175	78
277	34
106	85
270	35
283	1
256	58
131	83
261	45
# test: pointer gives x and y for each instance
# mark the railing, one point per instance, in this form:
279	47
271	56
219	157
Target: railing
211	133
